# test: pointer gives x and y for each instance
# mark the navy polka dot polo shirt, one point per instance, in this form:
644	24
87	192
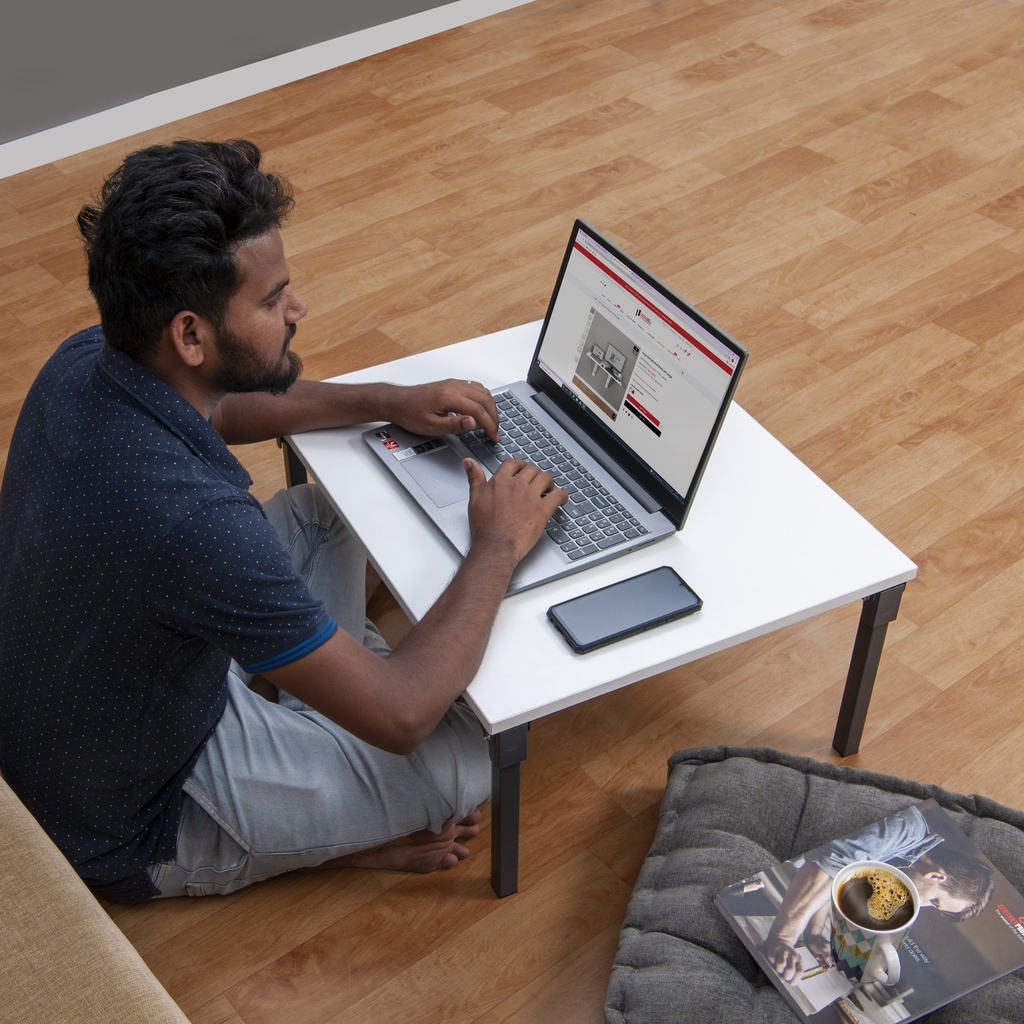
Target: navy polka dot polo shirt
133	565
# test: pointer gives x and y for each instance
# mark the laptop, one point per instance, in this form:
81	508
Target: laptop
622	403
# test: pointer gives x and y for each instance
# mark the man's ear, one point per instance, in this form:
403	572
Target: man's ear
191	336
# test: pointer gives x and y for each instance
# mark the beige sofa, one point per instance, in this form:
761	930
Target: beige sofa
61	957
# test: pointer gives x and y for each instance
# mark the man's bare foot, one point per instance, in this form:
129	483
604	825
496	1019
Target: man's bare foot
420	852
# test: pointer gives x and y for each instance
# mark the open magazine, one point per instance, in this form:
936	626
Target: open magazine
978	938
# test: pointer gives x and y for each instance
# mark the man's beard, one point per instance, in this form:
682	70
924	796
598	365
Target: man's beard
242	372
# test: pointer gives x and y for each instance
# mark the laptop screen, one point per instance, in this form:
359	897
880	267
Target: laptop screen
635	365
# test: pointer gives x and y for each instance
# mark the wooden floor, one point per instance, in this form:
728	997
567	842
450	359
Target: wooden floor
840	185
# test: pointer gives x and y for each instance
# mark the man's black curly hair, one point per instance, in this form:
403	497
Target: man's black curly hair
162	234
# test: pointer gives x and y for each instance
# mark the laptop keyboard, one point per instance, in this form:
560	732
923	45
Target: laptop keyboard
592	519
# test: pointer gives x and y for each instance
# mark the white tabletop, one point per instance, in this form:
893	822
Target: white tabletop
766	544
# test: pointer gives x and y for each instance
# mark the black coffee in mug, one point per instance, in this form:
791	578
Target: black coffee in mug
873	898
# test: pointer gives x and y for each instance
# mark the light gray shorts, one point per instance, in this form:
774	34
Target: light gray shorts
279	786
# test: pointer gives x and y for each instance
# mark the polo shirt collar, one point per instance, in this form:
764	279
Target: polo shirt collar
174	412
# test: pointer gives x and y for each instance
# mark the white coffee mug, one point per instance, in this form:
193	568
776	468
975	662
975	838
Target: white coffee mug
865	948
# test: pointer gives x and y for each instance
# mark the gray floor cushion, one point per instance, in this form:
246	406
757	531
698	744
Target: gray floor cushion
729	812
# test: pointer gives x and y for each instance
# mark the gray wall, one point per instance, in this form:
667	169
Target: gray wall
62	60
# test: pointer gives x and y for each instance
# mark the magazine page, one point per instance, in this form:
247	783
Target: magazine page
969	931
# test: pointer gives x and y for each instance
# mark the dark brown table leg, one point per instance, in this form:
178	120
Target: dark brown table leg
294	470
508	751
877	612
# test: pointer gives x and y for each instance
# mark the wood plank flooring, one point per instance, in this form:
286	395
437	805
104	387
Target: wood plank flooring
839	183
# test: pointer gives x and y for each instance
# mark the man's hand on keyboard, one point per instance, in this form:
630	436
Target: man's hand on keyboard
513	506
445	407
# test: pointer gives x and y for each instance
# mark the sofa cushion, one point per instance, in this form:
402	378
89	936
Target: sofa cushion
729	812
62	959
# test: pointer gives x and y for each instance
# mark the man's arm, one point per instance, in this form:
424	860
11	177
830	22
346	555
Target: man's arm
817	938
806	895
395	703
310	405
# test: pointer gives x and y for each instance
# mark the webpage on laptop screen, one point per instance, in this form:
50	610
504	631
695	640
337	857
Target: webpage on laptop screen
653	375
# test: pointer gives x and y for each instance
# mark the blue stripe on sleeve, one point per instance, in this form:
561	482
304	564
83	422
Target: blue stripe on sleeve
326	631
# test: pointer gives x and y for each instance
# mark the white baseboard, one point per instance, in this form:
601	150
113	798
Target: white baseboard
183	101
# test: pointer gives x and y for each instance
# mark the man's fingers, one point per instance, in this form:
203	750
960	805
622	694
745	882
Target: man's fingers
474	473
511	467
531	475
558	493
475	401
539	478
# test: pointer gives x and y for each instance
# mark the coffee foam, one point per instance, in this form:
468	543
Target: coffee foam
888	893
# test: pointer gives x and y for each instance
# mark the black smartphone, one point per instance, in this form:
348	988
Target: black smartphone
624	608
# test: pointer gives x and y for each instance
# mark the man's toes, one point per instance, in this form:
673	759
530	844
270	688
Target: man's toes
457	853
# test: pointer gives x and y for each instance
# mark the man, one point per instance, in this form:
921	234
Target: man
143	586
954	883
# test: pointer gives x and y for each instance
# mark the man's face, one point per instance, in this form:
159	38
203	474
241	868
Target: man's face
931	884
253	342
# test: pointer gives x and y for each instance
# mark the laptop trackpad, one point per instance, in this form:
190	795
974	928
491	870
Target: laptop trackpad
441	476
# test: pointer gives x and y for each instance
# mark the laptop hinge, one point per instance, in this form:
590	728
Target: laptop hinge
614	470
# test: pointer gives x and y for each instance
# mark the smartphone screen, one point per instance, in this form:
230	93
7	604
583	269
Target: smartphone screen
624	608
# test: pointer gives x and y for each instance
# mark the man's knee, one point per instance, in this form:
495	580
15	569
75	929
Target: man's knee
472	751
